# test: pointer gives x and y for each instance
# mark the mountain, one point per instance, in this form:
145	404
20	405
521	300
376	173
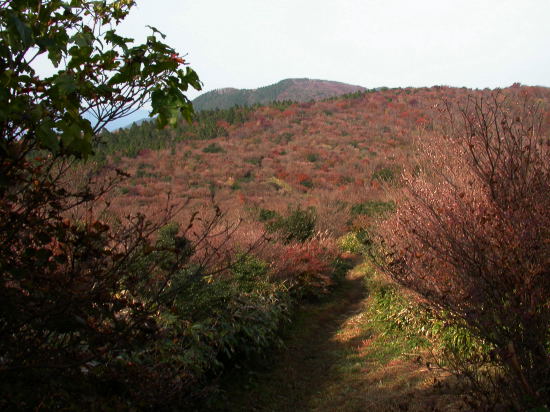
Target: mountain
299	90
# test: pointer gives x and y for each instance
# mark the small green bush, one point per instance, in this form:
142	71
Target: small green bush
350	243
247	177
373	208
298	226
143	173
344	180
208	322
213	148
312	157
256	161
143	165
249	271
283	138
266	215
384	175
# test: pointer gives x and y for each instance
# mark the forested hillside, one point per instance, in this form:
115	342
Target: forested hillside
296	90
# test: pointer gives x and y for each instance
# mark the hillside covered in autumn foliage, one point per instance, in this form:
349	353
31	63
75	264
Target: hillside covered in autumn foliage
334	166
255	211
334	155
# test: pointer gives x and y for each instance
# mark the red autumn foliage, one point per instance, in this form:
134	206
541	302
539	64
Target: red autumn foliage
307	266
471	235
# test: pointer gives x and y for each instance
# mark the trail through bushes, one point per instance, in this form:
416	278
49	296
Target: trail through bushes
336	359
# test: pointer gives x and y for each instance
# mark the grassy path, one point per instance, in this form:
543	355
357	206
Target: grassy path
334	360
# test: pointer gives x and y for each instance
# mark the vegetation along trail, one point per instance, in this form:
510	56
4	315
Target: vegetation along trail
334	359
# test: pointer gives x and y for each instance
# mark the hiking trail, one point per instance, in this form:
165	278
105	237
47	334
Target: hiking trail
334	361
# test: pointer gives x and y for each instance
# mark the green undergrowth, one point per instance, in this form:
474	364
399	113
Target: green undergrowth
208	321
442	342
223	323
365	346
284	380
334	354
394	313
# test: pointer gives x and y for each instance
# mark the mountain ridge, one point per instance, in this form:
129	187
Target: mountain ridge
294	89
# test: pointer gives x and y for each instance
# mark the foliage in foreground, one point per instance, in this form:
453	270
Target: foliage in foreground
98	75
471	238
150	323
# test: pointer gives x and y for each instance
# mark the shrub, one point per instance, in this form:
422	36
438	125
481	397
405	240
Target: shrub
308	266
213	148
256	161
72	311
249	271
142	173
247	177
373	208
285	137
266	215
143	165
297	226
312	157
207	318
471	237
384	175
350	243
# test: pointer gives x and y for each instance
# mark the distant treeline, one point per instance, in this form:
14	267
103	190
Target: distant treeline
146	135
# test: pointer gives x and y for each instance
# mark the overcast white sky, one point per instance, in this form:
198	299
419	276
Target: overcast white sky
394	43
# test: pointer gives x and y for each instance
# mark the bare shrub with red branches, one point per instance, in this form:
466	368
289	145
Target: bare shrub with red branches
472	237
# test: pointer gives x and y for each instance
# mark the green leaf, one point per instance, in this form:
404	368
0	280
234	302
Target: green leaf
81	147
154	29
83	39
192	78
71	131
113	38
24	31
46	136
66	83
56	44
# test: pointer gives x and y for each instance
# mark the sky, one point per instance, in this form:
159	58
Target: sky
371	43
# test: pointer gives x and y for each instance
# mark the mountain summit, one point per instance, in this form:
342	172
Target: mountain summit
300	90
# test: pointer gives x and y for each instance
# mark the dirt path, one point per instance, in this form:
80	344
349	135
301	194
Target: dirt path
334	361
